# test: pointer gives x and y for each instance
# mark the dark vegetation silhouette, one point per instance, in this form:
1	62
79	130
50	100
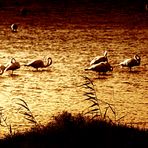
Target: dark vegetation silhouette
67	130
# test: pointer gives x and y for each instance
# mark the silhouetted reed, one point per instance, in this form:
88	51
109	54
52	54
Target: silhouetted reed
4	123
25	111
98	107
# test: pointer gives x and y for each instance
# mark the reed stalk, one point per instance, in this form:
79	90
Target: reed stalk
25	111
96	108
4	123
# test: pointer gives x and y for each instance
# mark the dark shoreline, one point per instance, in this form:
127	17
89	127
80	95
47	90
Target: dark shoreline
78	131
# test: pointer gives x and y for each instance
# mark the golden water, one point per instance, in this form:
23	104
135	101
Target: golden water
57	88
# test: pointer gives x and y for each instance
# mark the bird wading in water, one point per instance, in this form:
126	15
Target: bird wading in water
39	63
14	27
13	65
131	62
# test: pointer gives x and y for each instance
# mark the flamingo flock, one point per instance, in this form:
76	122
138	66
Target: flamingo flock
13	65
99	64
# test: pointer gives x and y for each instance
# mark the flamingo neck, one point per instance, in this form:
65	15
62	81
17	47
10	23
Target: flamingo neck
13	60
49	62
105	54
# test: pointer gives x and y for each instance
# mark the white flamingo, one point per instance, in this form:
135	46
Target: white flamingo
13	65
39	63
99	59
131	62
101	67
14	27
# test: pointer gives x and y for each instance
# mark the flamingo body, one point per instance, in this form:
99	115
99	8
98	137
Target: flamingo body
101	67
99	59
39	63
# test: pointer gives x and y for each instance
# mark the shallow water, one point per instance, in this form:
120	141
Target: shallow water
57	88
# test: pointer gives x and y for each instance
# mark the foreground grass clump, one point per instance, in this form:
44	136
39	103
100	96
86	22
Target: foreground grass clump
67	131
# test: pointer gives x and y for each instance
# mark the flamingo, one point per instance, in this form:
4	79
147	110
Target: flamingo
131	62
101	67
13	65
99	59
39	63
14	27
